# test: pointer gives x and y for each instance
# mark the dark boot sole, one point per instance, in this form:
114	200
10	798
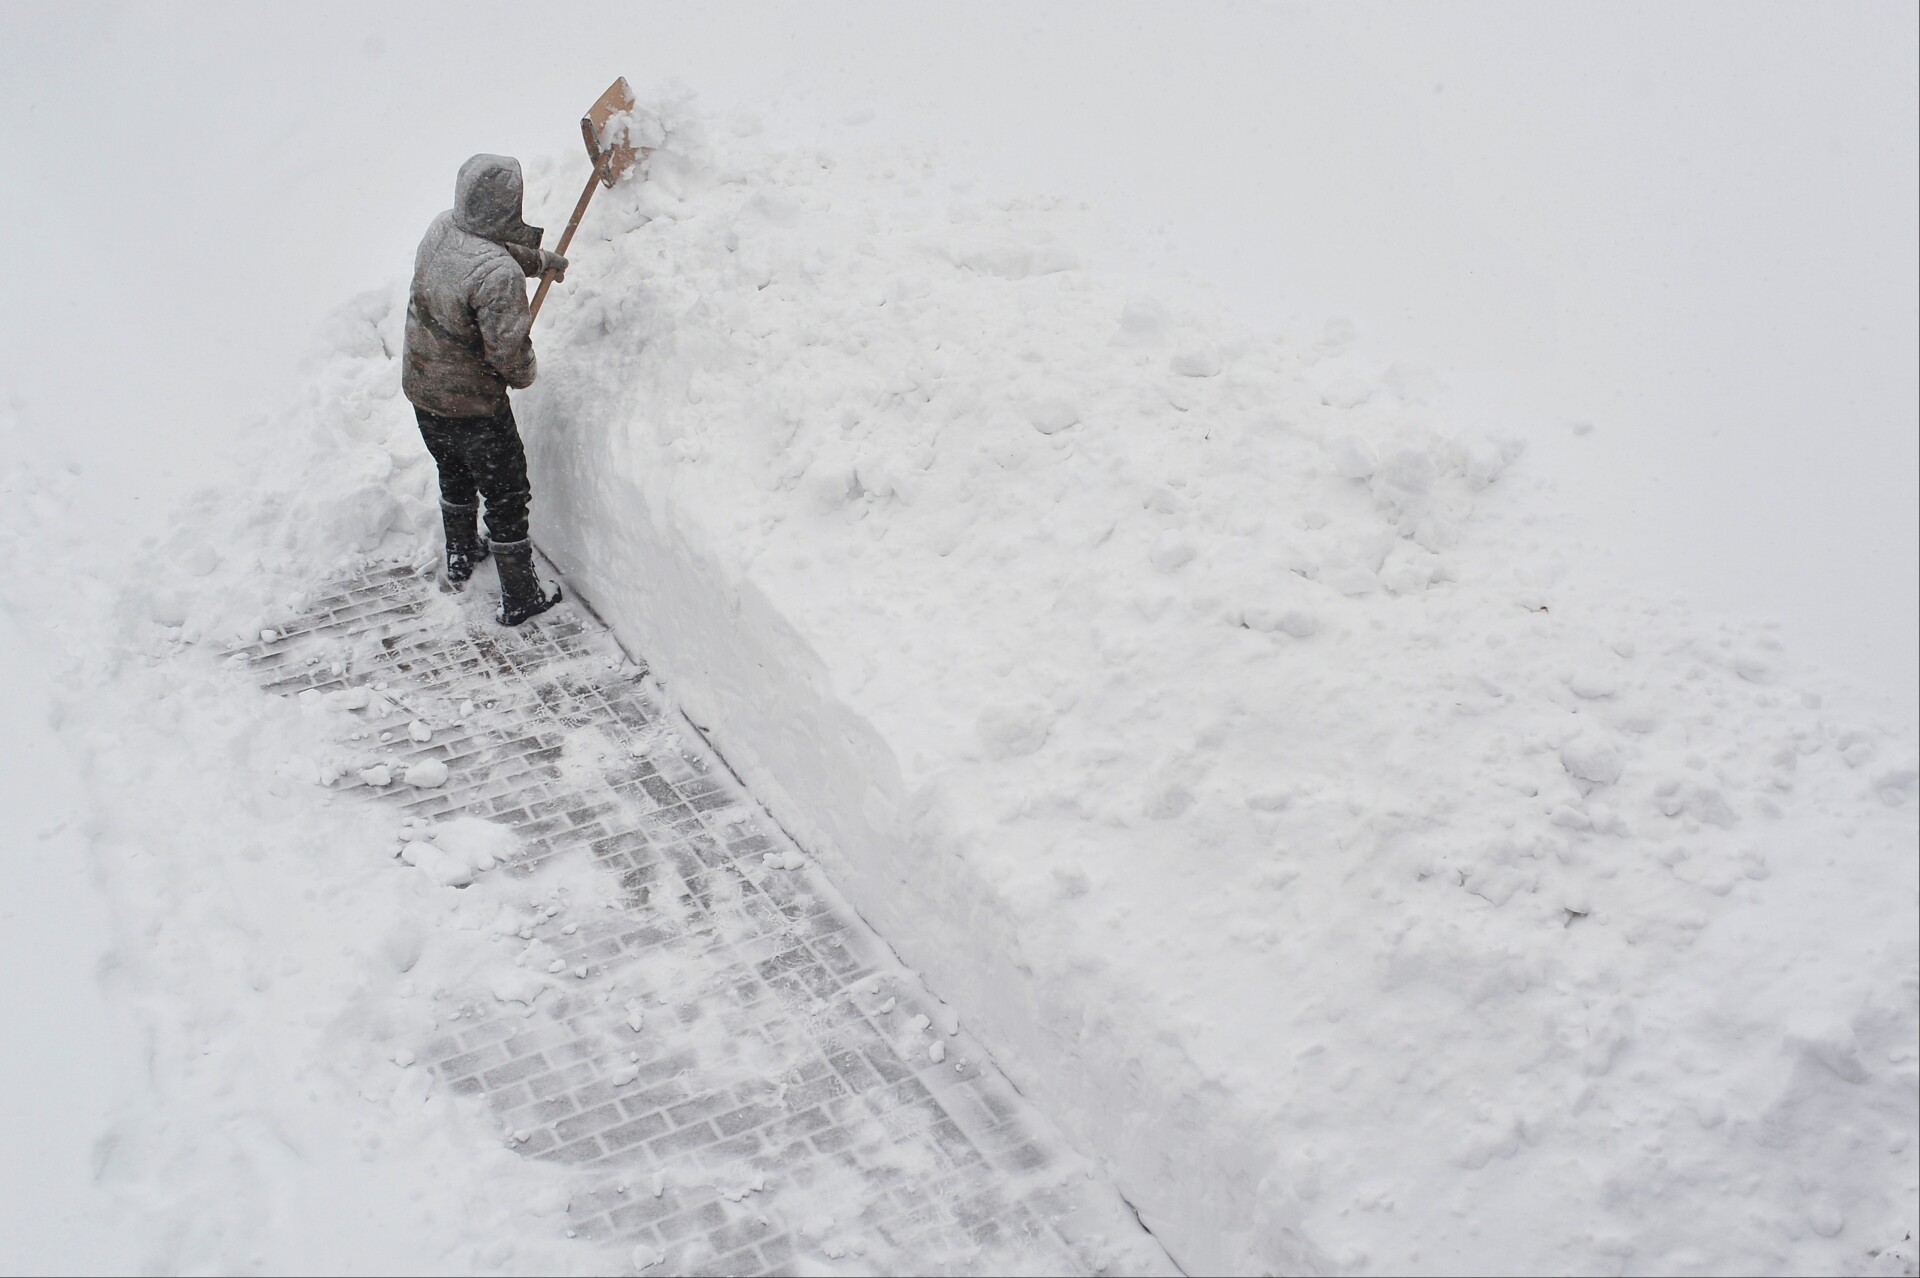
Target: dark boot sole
517	616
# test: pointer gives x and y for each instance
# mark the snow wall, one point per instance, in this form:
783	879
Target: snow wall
1220	727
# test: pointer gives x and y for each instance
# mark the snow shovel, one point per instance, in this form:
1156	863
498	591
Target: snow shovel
610	164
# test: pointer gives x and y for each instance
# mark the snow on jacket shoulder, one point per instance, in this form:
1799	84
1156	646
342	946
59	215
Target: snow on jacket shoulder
468	322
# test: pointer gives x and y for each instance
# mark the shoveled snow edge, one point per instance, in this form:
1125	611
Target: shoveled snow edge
766	700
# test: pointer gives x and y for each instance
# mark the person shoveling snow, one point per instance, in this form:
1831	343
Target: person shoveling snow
468	340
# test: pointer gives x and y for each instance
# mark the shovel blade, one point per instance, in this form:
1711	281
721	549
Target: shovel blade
612	157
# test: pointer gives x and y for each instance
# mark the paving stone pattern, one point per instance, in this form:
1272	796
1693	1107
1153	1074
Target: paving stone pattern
780	1109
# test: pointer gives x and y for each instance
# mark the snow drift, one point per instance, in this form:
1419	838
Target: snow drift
1216	723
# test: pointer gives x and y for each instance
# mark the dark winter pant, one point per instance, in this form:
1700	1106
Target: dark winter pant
482	456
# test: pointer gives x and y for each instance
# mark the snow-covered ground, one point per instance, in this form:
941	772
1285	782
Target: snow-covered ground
203	1025
84	1060
1687	961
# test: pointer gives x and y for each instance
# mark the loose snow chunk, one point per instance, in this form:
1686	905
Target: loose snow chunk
1348	577
1702	803
1832	1045
1896	786
1592	685
200	560
1403	478
910	288
1482	459
831	483
403	946
1436	532
1172	552
428	774
646	1257
168	608
1052	416
638	128
1195	361
1295	621
378	775
1408	571
1143	322
479	842
936	1051
636	1015
1009	732
1592	759
1571	818
463	848
419	731
443	867
1856	748
1353	457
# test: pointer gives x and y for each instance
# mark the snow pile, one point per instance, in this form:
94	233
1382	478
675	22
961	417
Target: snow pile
1220	726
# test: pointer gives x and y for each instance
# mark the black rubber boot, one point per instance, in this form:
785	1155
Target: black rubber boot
521	594
465	546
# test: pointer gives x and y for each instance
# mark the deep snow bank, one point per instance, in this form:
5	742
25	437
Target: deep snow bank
1219	726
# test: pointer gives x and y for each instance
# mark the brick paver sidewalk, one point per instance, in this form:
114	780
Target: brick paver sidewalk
747	1078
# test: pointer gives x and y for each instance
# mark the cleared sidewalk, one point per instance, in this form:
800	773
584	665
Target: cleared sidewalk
781	1095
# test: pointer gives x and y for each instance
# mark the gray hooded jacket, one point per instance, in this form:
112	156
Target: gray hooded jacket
467	315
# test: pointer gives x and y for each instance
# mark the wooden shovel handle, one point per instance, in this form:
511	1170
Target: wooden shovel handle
573	224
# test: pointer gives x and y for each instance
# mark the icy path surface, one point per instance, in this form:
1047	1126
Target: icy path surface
751	1080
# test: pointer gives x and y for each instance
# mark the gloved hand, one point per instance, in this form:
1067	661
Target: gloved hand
551	261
